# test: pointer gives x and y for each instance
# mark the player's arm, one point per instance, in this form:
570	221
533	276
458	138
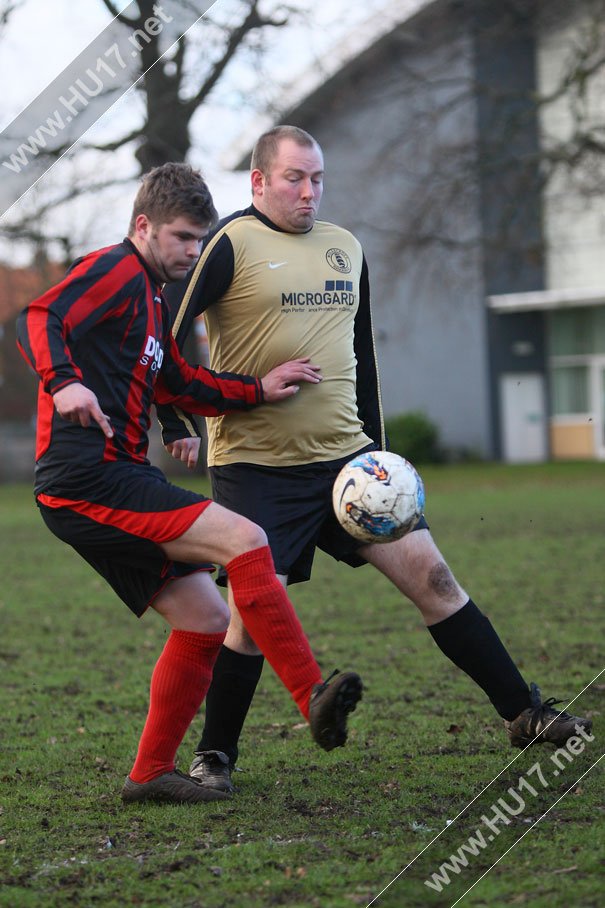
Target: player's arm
212	393
187	300
187	450
77	403
180	432
42	339
369	404
48	325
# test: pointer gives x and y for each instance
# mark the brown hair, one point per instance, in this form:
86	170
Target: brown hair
267	145
170	191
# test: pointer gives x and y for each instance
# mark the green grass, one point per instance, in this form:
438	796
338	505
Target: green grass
307	828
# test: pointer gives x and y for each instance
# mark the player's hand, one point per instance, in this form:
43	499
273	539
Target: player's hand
283	381
79	404
187	450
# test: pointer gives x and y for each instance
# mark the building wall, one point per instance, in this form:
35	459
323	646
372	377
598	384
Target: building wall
571	35
434	153
574	202
511	221
398	133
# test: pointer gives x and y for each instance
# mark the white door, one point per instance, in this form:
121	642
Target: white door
523	417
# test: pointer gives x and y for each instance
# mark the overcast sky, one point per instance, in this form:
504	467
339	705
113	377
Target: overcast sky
42	38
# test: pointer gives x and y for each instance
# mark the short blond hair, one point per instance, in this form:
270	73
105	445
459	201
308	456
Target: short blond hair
267	146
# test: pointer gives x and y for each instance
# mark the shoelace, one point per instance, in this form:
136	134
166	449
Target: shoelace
549	704
539	707
325	683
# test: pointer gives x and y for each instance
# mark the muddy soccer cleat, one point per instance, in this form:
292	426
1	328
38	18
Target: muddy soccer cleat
211	768
330	704
170	788
541	723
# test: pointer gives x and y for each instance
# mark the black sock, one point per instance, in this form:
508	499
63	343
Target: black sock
228	700
469	640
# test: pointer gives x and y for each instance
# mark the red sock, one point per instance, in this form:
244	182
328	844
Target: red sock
179	684
271	621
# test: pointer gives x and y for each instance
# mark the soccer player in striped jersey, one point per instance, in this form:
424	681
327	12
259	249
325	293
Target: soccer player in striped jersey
101	344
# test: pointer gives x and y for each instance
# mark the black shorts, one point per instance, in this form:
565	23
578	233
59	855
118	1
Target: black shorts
293	505
115	518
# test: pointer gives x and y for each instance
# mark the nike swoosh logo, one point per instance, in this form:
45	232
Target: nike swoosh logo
350	482
274	265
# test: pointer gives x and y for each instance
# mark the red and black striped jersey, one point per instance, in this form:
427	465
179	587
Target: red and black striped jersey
107	326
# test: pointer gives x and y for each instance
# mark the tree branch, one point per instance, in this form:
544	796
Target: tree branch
131	23
117	143
73	192
253	21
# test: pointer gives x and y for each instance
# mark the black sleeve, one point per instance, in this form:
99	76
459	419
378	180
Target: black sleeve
187	299
369	405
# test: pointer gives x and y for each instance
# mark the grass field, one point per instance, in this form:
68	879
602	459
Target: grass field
308	828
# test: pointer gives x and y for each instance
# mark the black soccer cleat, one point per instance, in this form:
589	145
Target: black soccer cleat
543	724
170	788
330	704
211	768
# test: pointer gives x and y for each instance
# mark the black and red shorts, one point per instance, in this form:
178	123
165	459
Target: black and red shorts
293	505
116	517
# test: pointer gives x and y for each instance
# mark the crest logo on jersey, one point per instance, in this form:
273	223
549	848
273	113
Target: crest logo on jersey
153	354
338	260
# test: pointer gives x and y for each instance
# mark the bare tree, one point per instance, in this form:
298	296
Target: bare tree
175	87
175	83
431	144
7	8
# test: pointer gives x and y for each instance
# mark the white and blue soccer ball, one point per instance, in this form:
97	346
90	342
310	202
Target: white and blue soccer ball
378	497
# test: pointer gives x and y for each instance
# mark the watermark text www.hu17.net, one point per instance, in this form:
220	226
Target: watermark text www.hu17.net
534	780
104	73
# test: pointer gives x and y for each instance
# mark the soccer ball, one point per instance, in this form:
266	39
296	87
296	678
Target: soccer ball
378	497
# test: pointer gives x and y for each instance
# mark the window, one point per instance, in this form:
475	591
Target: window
569	390
577	331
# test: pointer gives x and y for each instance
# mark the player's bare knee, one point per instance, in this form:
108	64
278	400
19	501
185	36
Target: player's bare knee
216	621
223	616
194	603
441	581
247	536
213	615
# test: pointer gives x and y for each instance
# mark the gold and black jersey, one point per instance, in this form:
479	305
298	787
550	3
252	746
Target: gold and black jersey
269	296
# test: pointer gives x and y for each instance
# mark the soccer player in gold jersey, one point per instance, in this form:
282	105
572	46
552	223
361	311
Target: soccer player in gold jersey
276	283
